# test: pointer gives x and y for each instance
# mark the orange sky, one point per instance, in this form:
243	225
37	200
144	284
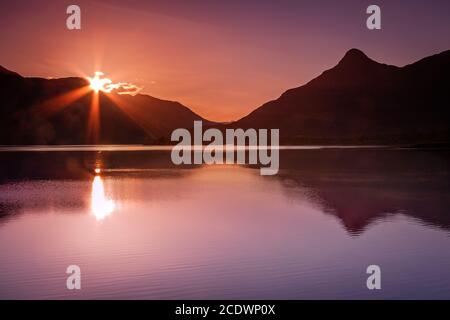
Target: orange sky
221	60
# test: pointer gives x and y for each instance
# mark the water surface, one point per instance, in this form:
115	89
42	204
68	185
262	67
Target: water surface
141	227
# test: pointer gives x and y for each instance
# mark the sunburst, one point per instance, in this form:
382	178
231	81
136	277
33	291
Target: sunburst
99	82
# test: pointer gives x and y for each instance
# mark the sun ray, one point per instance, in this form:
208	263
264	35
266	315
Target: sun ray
93	127
54	105
98	86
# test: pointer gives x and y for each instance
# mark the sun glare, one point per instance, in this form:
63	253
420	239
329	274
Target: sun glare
99	82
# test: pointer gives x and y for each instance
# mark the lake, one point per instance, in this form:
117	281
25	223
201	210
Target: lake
140	227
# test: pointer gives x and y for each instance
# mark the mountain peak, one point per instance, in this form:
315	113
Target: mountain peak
353	56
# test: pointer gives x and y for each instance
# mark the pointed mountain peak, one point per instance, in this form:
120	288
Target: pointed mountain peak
355	56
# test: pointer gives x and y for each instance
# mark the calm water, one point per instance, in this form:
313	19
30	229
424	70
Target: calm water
143	228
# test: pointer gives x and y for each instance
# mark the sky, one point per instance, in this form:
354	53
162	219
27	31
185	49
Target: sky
222	59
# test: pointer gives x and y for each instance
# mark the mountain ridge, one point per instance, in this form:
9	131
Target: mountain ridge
354	94
358	101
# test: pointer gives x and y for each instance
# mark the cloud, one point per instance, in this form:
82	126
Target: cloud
123	88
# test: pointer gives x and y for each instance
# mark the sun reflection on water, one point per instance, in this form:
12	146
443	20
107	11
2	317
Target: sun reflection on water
101	206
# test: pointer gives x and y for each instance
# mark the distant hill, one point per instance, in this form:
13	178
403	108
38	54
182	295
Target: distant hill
361	101
57	111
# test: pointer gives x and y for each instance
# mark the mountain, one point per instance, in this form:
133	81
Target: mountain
361	101
58	111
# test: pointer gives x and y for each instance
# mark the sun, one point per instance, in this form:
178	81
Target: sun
99	82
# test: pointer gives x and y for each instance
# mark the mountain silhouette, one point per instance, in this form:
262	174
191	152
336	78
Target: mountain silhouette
59	111
361	101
